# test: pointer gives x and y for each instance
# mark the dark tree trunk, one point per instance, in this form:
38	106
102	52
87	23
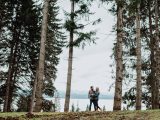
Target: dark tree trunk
8	82
157	57
152	56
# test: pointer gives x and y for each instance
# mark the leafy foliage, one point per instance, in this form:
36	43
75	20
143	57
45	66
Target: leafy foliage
83	11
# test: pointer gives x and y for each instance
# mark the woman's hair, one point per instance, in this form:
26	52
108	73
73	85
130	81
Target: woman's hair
97	89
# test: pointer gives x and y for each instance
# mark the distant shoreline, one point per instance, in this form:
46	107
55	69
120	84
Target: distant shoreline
83	95
87	98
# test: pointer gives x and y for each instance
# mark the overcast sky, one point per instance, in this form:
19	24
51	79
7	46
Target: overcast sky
91	65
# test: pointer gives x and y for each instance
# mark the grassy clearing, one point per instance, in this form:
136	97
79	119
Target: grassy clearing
120	115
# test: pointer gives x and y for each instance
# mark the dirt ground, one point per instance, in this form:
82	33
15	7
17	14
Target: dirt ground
120	115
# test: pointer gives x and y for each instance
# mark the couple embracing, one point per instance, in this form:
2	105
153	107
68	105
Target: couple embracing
93	95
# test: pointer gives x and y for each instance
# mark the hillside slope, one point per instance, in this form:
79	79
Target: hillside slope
121	115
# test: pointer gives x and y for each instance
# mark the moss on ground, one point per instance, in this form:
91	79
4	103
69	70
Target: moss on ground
120	115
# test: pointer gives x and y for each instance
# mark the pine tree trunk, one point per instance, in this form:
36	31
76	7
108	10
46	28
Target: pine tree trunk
32	99
138	53
40	73
11	70
12	61
152	56
119	61
12	84
8	82
157	57
70	60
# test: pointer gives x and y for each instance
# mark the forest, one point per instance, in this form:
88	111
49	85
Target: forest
32	38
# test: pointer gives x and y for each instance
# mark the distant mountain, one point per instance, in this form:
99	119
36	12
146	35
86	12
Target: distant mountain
83	95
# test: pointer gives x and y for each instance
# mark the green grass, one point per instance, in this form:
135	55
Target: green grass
12	114
119	115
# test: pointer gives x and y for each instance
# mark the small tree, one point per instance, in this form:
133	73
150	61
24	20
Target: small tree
57	101
23	103
77	109
73	108
87	108
104	108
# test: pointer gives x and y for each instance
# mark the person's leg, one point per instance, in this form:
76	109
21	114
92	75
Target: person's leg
98	106
90	105
95	104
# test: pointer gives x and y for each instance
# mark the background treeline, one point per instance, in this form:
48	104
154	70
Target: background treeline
136	50
136	53
20	28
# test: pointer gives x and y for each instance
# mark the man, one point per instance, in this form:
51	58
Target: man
91	96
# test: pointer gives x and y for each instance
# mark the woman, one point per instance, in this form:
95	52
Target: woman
97	93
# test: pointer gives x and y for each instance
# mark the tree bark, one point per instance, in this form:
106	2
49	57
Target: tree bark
119	61
157	57
138	67
32	99
11	70
152	58
40	73
70	60
13	81
8	81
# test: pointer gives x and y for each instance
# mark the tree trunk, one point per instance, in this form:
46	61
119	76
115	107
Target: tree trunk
157	57
11	70
8	82
138	53
152	56
69	75
32	99
13	81
40	73
119	61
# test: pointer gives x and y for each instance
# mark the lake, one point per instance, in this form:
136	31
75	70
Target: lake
82	104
